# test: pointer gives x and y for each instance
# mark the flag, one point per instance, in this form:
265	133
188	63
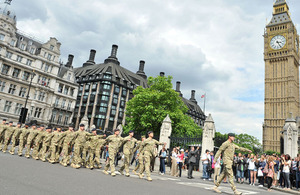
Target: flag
203	96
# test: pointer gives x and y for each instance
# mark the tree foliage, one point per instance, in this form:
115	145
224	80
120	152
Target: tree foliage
249	141
149	107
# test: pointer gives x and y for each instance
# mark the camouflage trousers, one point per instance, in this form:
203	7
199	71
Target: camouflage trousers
227	171
85	150
77	154
21	145
6	142
14	141
140	164
97	156
29	144
66	150
111	161
127	160
146	166
36	150
44	152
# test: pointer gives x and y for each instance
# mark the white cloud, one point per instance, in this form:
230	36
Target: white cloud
211	46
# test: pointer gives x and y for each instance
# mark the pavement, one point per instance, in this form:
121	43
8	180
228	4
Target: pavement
19	175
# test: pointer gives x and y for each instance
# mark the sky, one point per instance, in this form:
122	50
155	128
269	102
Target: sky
214	47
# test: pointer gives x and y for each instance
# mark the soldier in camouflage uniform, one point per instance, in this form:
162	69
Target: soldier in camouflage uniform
114	142
46	144
54	145
59	144
38	142
140	156
129	144
148	150
15	138
3	127
23	139
81	136
30	140
85	150
227	150
68	137
8	134
99	145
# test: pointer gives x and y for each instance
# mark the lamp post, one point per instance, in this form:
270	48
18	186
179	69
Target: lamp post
24	110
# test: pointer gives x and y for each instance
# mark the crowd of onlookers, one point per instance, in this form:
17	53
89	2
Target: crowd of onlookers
271	171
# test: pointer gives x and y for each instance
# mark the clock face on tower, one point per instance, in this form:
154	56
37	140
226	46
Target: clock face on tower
278	42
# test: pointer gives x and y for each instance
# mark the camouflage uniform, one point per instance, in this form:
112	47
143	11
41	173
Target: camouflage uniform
46	145
128	152
81	138
23	140
140	155
15	139
8	135
30	141
67	147
92	150
113	147
85	150
3	128
38	142
53	146
227	150
59	146
148	150
100	144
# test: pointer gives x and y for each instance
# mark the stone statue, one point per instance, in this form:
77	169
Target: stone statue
85	121
165	132
290	137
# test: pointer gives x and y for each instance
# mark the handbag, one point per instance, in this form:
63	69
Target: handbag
278	175
260	173
266	169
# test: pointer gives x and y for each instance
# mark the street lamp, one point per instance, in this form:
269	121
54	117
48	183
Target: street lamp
24	110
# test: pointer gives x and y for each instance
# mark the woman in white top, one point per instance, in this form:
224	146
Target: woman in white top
217	169
174	166
286	161
252	168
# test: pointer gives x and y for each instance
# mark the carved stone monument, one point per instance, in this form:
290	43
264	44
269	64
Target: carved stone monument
165	132
208	134
290	137
85	121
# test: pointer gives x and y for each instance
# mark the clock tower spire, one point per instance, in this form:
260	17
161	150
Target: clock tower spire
281	56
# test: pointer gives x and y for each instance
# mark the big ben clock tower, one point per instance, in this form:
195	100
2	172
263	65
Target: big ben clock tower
281	55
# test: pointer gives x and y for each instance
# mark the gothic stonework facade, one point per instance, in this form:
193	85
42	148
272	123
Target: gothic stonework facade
281	55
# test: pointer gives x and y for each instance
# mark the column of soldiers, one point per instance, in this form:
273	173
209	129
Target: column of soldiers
78	148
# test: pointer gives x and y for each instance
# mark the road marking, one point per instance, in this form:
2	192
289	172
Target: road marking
226	190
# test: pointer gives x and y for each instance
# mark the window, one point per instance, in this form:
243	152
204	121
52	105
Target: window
87	87
7	106
66	90
69	77
37	112
46	67
25	75
72	92
59	118
48	82
113	110
106	86
29	62
19	58
42	65
63	103
35	94
53	116
49	57
94	86
2	37
8	54
56	102
31	50
103	109
60	88
5	69
66	119
16	72
12	42
2	85
22	46
18	108
22	92
51	47
41	96
12	89
69	105
117	89
124	92
104	98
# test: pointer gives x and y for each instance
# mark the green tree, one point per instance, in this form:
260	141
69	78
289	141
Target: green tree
149	106
249	141
220	139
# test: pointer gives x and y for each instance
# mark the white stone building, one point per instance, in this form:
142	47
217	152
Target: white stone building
53	91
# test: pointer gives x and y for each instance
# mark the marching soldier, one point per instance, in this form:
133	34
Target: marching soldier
23	139
113	147
54	145
140	156
15	138
93	142
81	137
59	144
2	131
128	147
227	150
38	143
100	144
46	144
8	134
68	137
148	149
30	140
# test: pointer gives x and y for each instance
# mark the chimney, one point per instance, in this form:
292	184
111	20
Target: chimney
70	61
162	74
113	56
193	96
178	88
141	70
91	60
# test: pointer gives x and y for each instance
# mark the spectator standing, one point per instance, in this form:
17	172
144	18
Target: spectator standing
180	161
298	173
276	169
162	159
217	169
205	160
211	166
174	162
270	172
252	167
286	171
192	161
186	157
293	172
240	168
261	167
